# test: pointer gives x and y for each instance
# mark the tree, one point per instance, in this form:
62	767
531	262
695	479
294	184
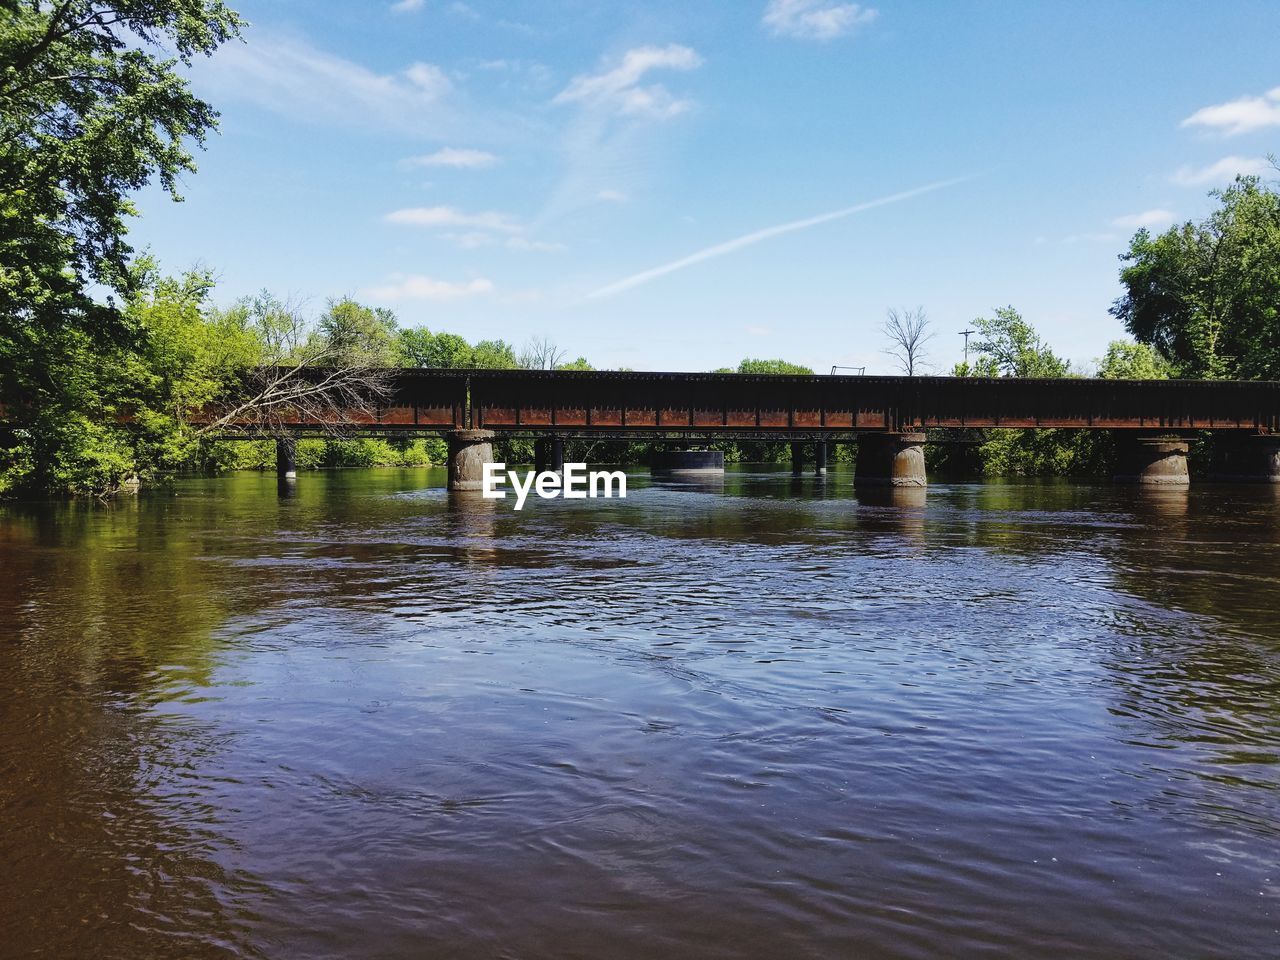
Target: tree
329	374
419	347
1008	346
89	113
1125	360
92	108
771	366
1206	295
908	333
541	353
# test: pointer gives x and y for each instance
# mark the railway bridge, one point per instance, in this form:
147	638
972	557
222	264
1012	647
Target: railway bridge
887	416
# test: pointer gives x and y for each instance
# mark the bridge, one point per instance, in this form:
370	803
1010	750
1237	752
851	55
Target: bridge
886	415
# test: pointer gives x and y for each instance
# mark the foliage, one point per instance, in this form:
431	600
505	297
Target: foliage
419	347
91	109
1125	360
768	366
1008	346
1206	295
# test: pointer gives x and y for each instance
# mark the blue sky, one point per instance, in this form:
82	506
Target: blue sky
681	185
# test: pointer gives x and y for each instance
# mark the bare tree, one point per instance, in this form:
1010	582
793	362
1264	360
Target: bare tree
908	332
541	353
322	379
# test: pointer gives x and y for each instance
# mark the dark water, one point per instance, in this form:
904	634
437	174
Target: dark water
763	720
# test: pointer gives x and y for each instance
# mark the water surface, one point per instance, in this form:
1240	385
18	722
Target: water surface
767	718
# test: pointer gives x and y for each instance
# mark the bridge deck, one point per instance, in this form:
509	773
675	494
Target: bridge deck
675	404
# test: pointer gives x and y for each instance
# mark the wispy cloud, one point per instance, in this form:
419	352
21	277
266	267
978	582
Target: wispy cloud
1239	116
815	19
407	6
1225	169
299	81
749	239
1147	218
455	157
453	217
613	138
619	90
415	286
612	196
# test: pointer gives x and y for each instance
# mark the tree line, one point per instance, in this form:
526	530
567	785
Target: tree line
103	358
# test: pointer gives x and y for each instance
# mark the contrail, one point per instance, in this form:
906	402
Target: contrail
747	239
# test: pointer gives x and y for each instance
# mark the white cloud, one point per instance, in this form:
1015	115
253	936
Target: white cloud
299	81
452	217
414	286
618	90
455	157
428	78
408	6
815	19
1221	172
1239	116
1148	218
612	196
756	236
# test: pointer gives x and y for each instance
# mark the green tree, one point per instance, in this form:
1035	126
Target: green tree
494	355
419	347
1206	295
1008	346
356	335
1125	360
92	108
769	366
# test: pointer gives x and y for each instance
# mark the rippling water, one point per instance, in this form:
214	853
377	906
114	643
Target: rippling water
762	719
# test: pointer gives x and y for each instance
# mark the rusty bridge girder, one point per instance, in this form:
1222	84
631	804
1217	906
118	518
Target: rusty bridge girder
679	405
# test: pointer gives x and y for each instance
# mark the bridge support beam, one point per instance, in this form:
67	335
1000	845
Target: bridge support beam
797	456
820	457
1153	461
286	461
890	460
469	451
548	454
1246	458
692	464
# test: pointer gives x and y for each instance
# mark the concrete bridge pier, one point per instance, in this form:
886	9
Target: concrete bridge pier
890	460
820	458
286	463
1153	461
469	451
548	454
1245	458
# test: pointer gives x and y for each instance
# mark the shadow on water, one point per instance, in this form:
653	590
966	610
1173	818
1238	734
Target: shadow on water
770	717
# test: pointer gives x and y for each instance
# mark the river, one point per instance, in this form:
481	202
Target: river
763	718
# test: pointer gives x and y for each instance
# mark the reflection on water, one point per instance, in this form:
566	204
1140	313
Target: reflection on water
773	717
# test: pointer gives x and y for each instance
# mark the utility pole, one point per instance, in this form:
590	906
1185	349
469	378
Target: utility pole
966	334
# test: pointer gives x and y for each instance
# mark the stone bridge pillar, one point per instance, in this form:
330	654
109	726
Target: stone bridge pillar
1245	458
1153	461
469	451
820	457
890	460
